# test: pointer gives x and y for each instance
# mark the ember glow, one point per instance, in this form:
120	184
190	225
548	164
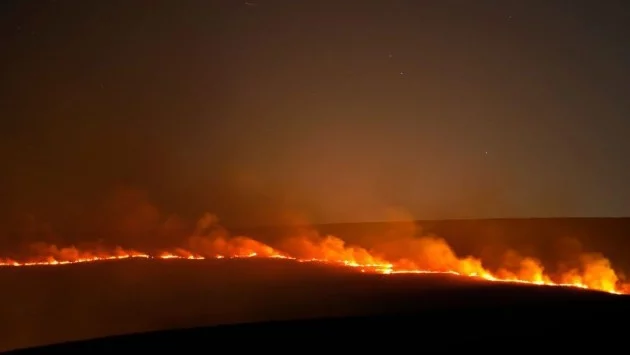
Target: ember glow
398	256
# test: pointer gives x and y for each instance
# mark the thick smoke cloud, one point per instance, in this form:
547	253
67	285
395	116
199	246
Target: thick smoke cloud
127	221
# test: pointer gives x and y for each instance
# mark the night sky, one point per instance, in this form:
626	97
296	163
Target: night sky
337	110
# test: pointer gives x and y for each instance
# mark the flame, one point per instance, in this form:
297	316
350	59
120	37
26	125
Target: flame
415	256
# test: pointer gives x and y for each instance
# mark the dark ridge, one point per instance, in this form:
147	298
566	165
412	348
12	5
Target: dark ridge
312	305
569	322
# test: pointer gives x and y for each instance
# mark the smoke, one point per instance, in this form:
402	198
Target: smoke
129	219
585	267
211	239
44	252
405	247
328	248
129	214
515	266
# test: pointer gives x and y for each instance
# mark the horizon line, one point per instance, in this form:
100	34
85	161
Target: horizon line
416	220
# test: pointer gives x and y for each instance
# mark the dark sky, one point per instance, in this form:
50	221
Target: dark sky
336	109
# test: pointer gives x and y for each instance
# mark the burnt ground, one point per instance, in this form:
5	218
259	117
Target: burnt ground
412	312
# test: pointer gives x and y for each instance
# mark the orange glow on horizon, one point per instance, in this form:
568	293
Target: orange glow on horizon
332	251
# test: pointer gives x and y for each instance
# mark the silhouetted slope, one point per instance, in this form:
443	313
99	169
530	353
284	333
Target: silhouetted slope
543	319
136	296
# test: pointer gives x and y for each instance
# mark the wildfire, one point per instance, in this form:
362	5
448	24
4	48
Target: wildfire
424	255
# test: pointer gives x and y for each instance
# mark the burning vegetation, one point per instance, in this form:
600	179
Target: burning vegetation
399	253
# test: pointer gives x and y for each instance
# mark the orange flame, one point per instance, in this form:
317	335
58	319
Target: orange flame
410	255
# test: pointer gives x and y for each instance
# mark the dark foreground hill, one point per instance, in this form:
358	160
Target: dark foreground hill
352	311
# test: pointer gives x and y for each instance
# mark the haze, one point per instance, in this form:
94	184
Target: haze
327	109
